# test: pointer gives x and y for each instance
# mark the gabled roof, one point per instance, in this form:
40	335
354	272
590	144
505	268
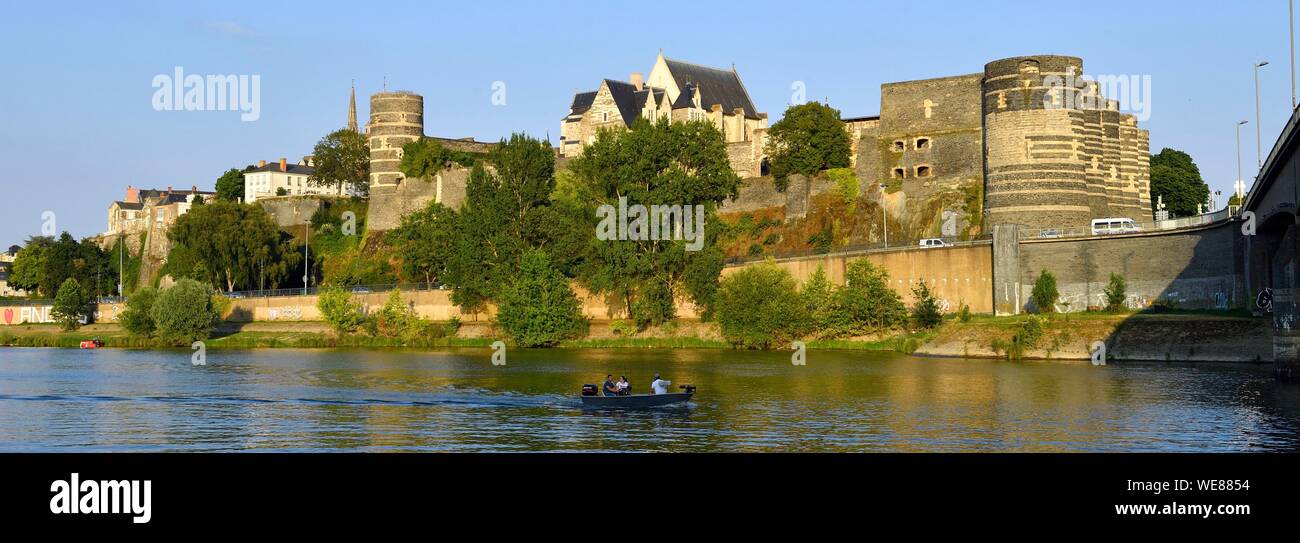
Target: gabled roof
129	205
624	95
582	102
296	169
716	86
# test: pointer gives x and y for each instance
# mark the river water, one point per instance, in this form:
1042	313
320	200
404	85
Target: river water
456	400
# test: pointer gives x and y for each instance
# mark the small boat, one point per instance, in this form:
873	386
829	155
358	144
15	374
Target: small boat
590	400
92	343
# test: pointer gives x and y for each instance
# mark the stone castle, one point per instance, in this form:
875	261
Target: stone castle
1028	149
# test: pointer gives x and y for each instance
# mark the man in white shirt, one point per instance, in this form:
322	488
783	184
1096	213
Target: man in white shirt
659	386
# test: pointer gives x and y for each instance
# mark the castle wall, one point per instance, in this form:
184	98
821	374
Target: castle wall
396	119
389	203
291	211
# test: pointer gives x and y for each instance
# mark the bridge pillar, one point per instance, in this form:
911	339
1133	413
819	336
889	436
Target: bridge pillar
1006	269
1286	312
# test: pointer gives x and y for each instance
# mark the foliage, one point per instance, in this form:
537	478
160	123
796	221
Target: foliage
866	303
1115	293
137	318
1027	336
1045	294
759	307
847	185
1177	178
425	241
342	160
651	164
238	246
45	263
818	296
184	312
393	318
622	327
230	186
538	309
963	312
69	305
654	306
425	157
925	308
339	311
809	138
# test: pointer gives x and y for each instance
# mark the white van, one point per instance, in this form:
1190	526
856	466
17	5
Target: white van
934	242
1116	225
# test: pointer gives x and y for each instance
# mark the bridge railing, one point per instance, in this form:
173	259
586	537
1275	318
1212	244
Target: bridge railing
1145	226
861	248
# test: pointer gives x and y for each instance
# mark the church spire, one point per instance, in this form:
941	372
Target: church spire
352	109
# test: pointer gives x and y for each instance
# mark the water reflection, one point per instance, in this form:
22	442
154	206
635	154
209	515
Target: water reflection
455	400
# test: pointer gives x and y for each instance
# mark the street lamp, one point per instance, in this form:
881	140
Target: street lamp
305	261
1259	142
1239	149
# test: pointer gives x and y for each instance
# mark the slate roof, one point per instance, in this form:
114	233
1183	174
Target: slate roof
582	102
716	87
295	169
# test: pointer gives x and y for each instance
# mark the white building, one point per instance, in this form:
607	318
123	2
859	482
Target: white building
268	180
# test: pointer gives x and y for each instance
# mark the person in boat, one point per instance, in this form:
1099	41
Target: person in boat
609	388
624	388
659	386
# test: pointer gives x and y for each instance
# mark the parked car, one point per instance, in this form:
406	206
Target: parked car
235	295
1114	225
931	243
361	290
1049	233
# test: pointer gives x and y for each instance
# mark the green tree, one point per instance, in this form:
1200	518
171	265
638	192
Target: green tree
809	138
424	241
759	307
1115	293
231	244
230	186
866	303
1175	177
342	160
925	308
538	309
137	318
653	164
29	265
818	296
69	305
184	313
425	157
339	311
394	318
1045	294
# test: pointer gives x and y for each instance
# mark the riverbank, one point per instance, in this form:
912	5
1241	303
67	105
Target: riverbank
1193	337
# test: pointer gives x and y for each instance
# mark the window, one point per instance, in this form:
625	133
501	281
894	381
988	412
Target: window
899	145
922	143
899	173
604	116
923	171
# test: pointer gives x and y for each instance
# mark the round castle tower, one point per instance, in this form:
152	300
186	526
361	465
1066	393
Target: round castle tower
1058	152
396	118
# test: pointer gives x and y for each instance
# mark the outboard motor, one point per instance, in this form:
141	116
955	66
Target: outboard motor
689	389
589	390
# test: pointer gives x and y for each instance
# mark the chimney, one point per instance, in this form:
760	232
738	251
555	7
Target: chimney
261	164
132	194
284	166
636	80
194	188
169	189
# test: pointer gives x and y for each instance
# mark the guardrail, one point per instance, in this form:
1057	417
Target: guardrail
1152	226
355	289
850	250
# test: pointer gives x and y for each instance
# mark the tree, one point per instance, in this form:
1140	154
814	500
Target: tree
425	241
29	264
184	313
1175	177
339	311
1044	294
925	308
809	138
538	309
235	245
230	186
818	296
865	303
759	307
69	305
1115	293
393	319
654	164
137	318
342	160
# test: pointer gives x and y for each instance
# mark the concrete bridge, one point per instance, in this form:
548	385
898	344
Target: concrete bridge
1270	233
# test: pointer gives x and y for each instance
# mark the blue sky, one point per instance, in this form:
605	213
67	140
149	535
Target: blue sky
78	125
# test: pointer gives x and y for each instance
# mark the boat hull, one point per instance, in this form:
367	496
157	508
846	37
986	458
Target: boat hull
635	401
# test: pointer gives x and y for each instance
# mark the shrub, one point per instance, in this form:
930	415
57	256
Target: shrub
69	304
925	308
865	303
184	312
1027	336
339	311
622	327
654	306
818	295
539	309
1115	293
759	306
963	313
1044	294
137	318
392	319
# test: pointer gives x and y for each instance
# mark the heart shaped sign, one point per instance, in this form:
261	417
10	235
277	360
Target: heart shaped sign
9	316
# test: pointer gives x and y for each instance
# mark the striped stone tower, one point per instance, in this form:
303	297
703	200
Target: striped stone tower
396	118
